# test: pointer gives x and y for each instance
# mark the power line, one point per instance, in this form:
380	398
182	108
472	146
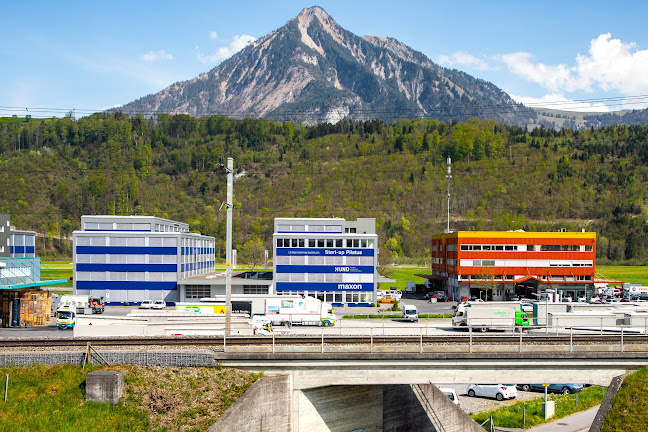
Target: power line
317	113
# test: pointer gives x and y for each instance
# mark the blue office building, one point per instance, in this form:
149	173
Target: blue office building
332	259
128	259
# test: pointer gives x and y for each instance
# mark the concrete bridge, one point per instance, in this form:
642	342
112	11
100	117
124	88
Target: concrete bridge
391	391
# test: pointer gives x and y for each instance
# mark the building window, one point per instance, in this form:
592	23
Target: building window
300	242
530	248
588	248
488	263
255	289
320	243
329	243
338	243
464	247
197	292
311	243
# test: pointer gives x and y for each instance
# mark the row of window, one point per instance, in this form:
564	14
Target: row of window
335	297
527	248
125	259
322	243
325	277
324	260
513	277
102	276
126	241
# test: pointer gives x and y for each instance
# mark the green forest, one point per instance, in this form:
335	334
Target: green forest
52	171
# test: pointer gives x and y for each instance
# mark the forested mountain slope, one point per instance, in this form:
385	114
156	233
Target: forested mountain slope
54	171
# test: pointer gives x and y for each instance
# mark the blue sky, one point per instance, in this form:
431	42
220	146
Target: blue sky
96	55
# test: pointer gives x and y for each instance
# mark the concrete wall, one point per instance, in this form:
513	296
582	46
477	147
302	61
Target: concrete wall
264	407
605	406
339	409
423	408
104	386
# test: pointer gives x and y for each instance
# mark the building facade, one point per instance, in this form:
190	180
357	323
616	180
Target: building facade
19	266
494	264
128	259
331	259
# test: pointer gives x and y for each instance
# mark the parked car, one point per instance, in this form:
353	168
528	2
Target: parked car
552	388
158	304
440	297
451	393
496	391
511	296
146	304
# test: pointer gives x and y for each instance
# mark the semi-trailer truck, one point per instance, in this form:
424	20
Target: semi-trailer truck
490	315
301	311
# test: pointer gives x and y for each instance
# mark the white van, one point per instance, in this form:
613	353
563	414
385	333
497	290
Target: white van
410	313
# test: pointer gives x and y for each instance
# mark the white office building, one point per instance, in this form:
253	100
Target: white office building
128	259
332	259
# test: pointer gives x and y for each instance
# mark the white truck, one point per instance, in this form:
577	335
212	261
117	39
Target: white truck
302	311
66	316
84	304
410	313
490	315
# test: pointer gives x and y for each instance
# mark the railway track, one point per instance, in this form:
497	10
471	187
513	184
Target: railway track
549	340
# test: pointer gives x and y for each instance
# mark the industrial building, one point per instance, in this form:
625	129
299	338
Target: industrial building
22	276
332	259
492	265
128	259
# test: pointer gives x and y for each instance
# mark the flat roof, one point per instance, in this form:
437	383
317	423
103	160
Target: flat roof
515	234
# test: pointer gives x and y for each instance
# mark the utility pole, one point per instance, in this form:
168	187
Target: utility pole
448	176
228	253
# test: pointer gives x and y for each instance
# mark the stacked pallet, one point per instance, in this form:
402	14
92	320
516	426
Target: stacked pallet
35	308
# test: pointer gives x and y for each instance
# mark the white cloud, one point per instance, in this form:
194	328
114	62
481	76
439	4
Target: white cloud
153	56
558	101
464	59
213	35
238	43
610	65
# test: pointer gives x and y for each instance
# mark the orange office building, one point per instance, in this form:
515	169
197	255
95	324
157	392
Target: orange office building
494	264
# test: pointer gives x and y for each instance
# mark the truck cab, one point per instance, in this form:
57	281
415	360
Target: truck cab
66	316
410	313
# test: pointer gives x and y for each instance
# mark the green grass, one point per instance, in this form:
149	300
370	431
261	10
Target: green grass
625	273
511	415
403	274
52	398
628	412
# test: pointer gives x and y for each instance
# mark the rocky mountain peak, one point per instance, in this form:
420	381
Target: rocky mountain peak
312	70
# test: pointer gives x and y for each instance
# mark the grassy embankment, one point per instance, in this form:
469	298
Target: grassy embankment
52	398
628	412
639	274
625	273
511	415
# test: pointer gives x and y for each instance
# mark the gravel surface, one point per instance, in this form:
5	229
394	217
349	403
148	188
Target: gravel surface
479	404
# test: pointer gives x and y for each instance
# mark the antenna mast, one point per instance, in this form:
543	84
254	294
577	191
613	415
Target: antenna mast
448	176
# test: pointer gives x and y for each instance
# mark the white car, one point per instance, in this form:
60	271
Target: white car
158	304
146	304
451	393
496	391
